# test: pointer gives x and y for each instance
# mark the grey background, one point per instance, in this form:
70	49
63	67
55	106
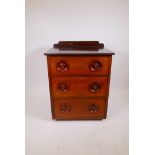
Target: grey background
48	21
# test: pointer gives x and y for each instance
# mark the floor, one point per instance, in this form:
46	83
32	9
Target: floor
45	136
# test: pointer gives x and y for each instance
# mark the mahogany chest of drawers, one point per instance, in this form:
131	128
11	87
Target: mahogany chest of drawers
79	83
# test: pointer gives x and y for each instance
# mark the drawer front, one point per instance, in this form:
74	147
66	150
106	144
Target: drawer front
62	65
79	86
79	108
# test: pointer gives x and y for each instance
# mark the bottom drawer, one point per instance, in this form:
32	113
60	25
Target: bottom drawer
94	108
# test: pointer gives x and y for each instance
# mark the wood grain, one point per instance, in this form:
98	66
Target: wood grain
78	65
79	45
79	108
79	86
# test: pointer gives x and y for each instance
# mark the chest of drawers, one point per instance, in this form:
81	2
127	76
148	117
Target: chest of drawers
79	83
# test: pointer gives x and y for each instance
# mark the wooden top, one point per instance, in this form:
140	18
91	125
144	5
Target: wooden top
58	52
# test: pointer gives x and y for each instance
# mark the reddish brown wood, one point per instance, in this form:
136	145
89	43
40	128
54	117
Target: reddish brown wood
108	84
79	45
79	84
101	52
70	108
95	66
50	89
78	65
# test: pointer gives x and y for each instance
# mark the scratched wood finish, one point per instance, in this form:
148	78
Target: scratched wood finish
78	65
79	108
79	86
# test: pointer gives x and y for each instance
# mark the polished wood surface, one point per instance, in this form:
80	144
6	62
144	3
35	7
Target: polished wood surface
79	108
79	45
64	65
57	52
79	86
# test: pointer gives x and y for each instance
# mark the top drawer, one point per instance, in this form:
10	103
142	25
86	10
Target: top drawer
71	65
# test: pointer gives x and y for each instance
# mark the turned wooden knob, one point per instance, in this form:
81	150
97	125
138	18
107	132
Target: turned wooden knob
94	87
62	66
95	66
64	107
93	108
63	87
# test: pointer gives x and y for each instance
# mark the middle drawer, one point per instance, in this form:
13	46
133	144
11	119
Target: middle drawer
79	86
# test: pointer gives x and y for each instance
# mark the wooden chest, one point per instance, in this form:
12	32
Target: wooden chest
79	83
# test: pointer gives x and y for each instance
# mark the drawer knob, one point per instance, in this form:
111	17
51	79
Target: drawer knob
94	87
65	108
93	108
62	66
95	66
63	87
